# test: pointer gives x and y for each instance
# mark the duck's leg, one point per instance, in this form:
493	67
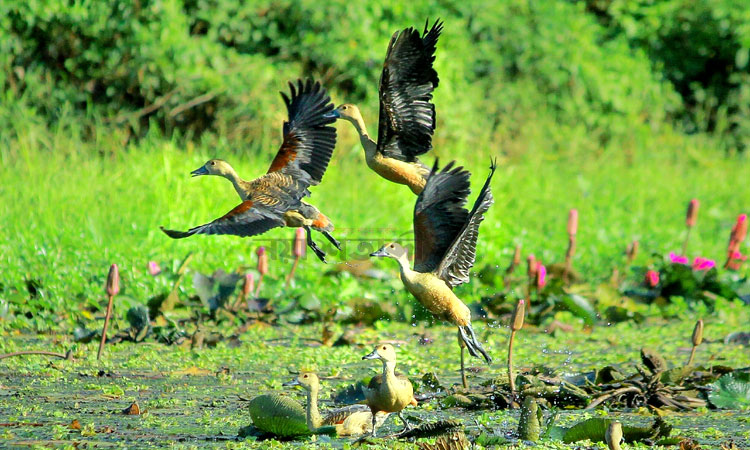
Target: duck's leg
373	425
463	370
314	247
332	239
407	427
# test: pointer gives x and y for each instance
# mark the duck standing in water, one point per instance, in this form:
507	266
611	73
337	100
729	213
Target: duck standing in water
274	199
407	116
445	240
388	392
349	421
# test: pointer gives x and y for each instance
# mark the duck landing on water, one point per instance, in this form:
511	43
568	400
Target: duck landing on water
275	198
407	115
445	240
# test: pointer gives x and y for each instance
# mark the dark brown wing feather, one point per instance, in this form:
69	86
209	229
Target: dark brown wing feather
247	219
459	258
308	140
439	215
339	415
407	115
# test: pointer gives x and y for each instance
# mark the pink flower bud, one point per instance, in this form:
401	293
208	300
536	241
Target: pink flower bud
153	268
678	259
517	255
541	275
300	245
573	222
703	264
262	260
249	284
113	280
632	251
531	270
652	278
692	212
518	315
739	230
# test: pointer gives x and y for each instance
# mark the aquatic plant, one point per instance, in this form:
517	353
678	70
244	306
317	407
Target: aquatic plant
112	288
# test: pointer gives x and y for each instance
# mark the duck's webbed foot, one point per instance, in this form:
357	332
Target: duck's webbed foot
314	247
407	427
332	239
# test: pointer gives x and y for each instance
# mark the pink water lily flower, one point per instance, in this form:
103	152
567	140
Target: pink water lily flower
652	278
541	275
703	263
153	268
735	260
678	259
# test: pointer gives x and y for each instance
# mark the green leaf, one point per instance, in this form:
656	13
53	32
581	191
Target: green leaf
580	307
731	391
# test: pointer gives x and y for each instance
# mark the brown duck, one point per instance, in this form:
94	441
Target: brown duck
407	116
274	199
445	239
349	421
388	392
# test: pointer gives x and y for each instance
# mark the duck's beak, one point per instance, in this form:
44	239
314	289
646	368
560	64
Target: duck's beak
373	355
200	171
380	253
294	382
335	114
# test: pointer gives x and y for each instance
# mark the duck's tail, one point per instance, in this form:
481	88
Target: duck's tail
469	338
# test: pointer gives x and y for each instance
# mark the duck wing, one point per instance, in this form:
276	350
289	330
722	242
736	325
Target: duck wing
407	115
251	217
308	138
439	215
339	415
459	258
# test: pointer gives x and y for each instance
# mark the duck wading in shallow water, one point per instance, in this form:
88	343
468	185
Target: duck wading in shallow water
445	240
407	116
274	199
349	421
388	392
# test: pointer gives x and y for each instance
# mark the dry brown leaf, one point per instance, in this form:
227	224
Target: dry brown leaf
75	425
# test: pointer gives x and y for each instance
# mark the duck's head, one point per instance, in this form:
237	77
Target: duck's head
308	380
383	352
213	167
392	250
347	111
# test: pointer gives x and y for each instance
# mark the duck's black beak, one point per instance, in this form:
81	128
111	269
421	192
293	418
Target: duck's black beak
335	114
294	382
200	171
380	253
373	355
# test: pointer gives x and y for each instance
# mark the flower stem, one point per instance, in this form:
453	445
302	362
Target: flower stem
104	331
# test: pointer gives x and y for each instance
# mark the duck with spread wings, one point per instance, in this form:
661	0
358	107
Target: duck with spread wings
275	198
407	115
445	240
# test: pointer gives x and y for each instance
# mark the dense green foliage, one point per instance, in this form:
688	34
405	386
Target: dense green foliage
603	70
702	48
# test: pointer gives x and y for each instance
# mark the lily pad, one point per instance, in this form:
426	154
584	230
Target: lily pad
731	391
580	307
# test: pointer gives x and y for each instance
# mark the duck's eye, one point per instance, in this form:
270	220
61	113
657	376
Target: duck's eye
213	163
344	107
383	348
393	246
305	376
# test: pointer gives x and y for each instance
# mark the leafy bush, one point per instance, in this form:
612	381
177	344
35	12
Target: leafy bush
702	48
508	69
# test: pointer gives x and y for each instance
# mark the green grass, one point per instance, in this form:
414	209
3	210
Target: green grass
68	212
